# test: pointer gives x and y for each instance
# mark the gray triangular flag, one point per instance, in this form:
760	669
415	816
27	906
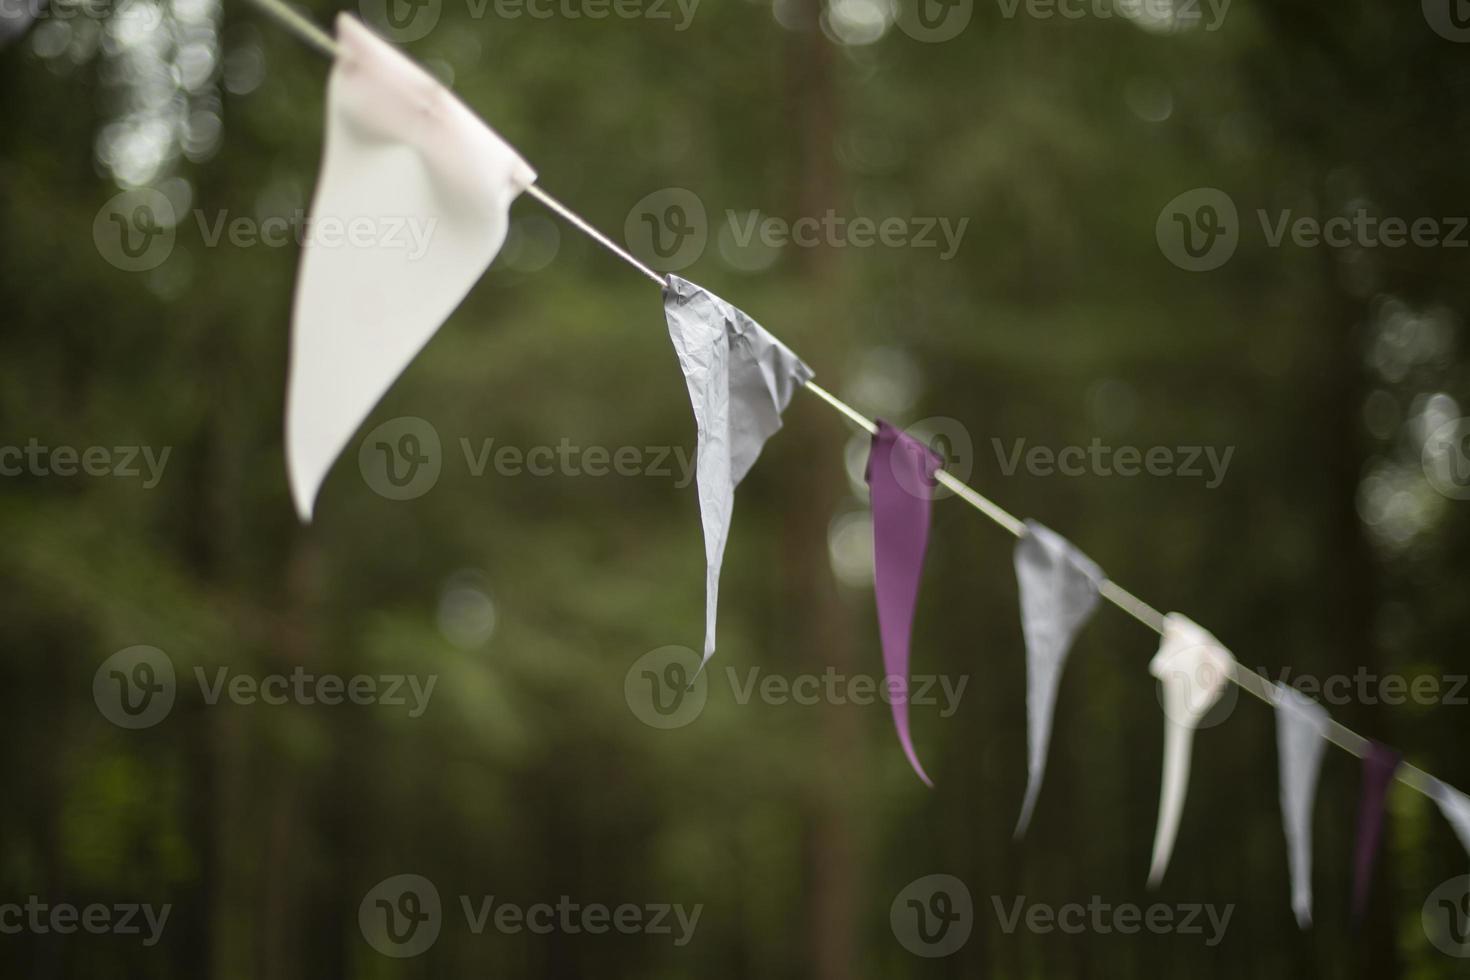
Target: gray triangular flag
740	380
1193	669
1456	809
1301	724
1058	586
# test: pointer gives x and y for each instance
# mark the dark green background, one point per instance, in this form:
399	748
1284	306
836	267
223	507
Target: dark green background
1058	321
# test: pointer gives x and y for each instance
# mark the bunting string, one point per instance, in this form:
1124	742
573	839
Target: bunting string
1249	680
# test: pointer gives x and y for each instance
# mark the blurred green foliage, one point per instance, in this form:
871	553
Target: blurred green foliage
1058	321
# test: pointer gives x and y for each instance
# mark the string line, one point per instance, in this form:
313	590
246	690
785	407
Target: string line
303	27
582	225
1242	676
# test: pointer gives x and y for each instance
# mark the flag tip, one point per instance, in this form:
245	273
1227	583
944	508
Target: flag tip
699	672
304	502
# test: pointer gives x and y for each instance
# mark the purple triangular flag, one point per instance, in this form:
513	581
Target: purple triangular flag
1379	765
900	485
1059	593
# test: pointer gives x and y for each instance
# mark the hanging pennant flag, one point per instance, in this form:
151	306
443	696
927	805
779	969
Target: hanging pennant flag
1456	809
410	208
1379	765
1192	667
1059	593
1301	726
900	486
740	380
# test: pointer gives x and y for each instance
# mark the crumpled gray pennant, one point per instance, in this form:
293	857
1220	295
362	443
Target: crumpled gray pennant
740	380
1059	593
1193	669
1301	724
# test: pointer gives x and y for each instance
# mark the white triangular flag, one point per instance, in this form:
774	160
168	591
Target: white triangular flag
1058	587
1193	668
740	380
410	208
1456	809
1301	724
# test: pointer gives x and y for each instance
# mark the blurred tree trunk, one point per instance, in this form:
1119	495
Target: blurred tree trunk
1352	595
822	628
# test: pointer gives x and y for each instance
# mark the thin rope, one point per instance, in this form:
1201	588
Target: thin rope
581	223
858	418
1242	676
304	27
